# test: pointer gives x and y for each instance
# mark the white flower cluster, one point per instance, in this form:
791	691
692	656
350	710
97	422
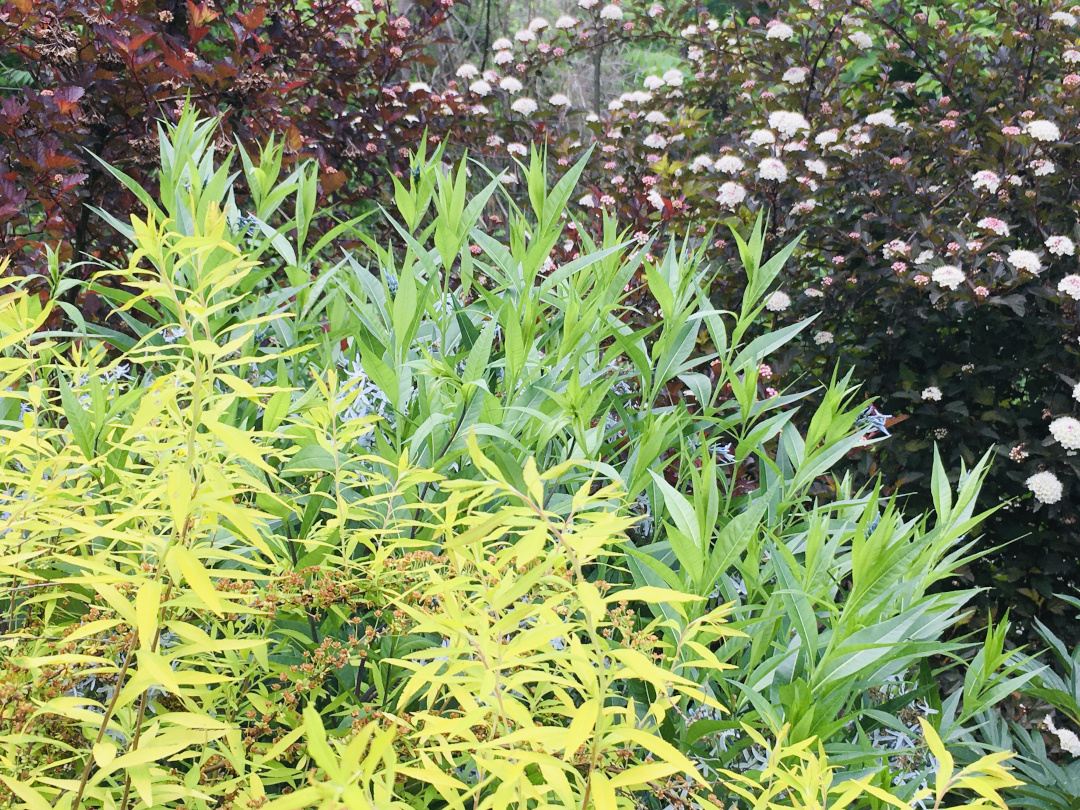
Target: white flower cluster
788	123
1025	260
986	181
948	275
1043	130
884	118
778	302
1070	285
1060	245
994	225
772	169
1067	740
1066	431
779	30
729	164
731	194
524	106
896	249
932	393
761	137
1046	487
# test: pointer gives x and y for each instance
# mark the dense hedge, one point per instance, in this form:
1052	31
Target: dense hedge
329	78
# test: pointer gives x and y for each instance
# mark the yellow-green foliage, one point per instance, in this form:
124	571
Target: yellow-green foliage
799	775
136	517
214	599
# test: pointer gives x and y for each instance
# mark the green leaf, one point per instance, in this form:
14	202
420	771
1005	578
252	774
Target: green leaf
78	419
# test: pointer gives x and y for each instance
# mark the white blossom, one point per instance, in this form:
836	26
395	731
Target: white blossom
1043	130
780	31
510	84
1025	260
761	137
611	12
1046	486
1042	168
1070	286
729	164
861	40
467	71
827	137
1060	245
778	302
948	275
772	169
673	77
932	393
882	118
701	162
986	181
1066	431
731	194
559	100
525	106
788	123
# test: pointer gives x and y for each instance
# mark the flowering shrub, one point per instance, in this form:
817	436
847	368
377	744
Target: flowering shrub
326	77
924	151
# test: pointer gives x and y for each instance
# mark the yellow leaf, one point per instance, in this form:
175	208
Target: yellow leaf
178	495
581	728
653	594
33	799
432	776
591	600
640	775
104	753
533	484
944	758
91	628
147	604
603	792
197	577
237	441
118	603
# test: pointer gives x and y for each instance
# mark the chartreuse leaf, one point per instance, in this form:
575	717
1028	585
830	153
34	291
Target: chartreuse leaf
191	570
